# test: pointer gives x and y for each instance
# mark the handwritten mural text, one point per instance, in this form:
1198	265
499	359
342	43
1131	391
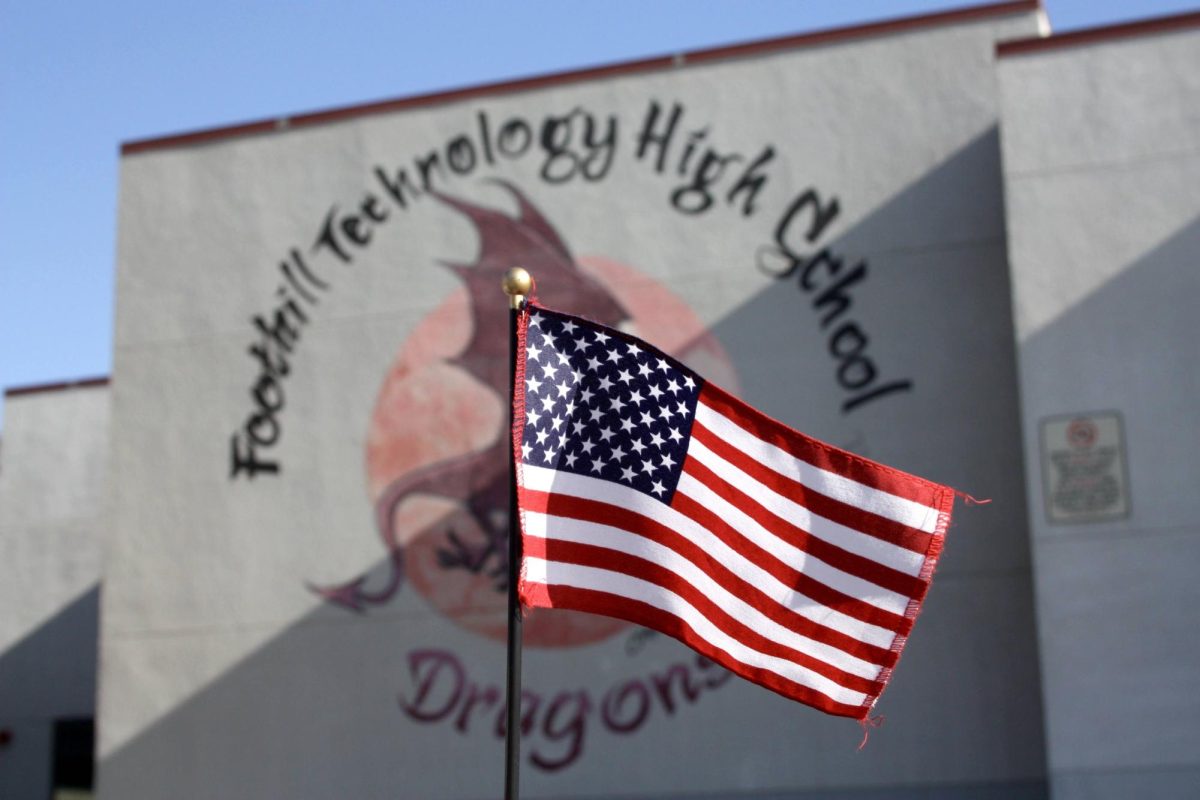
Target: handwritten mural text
577	145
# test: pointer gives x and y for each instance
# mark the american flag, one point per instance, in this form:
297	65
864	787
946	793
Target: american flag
648	494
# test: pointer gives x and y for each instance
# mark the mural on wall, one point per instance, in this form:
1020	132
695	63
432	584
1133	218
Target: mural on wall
436	445
437	471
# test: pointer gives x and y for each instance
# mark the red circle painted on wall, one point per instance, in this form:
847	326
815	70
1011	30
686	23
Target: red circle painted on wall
436	457
448	559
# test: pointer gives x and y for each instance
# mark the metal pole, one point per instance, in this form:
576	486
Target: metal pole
517	285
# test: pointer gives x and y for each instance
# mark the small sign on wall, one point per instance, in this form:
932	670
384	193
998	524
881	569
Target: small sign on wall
1084	468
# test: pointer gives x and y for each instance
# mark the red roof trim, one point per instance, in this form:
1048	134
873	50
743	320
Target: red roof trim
38	388
625	68
1101	34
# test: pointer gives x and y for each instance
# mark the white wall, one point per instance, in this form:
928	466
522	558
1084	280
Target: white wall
52	499
223	675
1102	177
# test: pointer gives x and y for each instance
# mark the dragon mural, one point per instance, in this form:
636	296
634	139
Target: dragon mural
470	539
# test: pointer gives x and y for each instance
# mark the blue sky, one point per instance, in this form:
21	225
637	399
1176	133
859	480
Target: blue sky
77	79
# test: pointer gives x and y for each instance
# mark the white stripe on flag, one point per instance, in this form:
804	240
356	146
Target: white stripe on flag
900	509
566	483
789	554
537	570
622	541
850	540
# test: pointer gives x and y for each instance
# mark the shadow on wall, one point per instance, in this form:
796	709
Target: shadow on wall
1131	345
1117	599
316	711
52	671
48	675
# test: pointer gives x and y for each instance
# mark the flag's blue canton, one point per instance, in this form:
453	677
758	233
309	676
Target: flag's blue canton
600	406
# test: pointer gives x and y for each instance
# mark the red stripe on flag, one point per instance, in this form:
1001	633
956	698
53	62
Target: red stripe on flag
788	576
540	595
819	454
560	505
859	566
588	555
859	519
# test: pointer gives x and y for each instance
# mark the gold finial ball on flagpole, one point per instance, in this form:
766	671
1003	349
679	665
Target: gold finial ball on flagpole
517	284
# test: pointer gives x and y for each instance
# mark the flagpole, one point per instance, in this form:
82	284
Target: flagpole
517	285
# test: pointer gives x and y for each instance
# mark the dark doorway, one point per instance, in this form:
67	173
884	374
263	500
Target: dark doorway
74	765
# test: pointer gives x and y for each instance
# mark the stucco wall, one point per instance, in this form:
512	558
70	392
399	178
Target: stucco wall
225	675
1101	147
52	500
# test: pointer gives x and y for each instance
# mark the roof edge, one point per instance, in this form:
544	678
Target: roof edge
762	46
60	386
1121	30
